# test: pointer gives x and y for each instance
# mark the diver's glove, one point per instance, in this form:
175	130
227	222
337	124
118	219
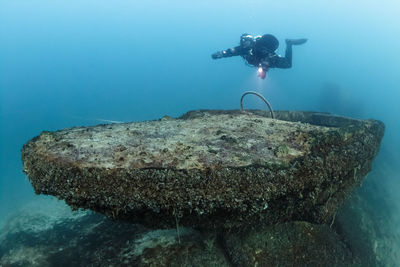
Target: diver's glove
295	41
217	55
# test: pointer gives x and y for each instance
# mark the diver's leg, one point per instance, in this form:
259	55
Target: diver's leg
285	62
289	52
296	41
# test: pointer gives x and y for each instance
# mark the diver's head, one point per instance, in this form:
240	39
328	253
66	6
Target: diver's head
246	40
266	44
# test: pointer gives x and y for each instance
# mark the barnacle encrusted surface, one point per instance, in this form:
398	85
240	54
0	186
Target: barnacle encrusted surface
208	168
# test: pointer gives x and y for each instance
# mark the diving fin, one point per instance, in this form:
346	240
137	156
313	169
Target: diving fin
296	41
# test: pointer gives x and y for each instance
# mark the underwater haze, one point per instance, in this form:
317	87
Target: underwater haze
80	63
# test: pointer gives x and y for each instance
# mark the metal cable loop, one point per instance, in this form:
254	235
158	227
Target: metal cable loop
260	96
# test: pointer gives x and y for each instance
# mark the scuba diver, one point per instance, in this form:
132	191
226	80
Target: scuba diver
259	51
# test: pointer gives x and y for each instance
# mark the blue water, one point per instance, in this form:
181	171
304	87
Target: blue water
72	63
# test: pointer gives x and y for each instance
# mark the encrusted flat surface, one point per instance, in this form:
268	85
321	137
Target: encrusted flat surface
208	168
199	143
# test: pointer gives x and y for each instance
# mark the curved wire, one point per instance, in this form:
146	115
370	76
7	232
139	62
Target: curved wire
260	96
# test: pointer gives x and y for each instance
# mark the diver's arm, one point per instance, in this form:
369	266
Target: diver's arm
235	51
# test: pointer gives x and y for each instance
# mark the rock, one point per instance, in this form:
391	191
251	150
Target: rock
194	249
207	169
83	238
89	239
369	219
289	244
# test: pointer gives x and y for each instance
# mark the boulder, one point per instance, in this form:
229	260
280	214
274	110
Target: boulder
289	244
369	219
209	168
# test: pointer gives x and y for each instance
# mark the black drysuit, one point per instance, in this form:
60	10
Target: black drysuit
256	56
